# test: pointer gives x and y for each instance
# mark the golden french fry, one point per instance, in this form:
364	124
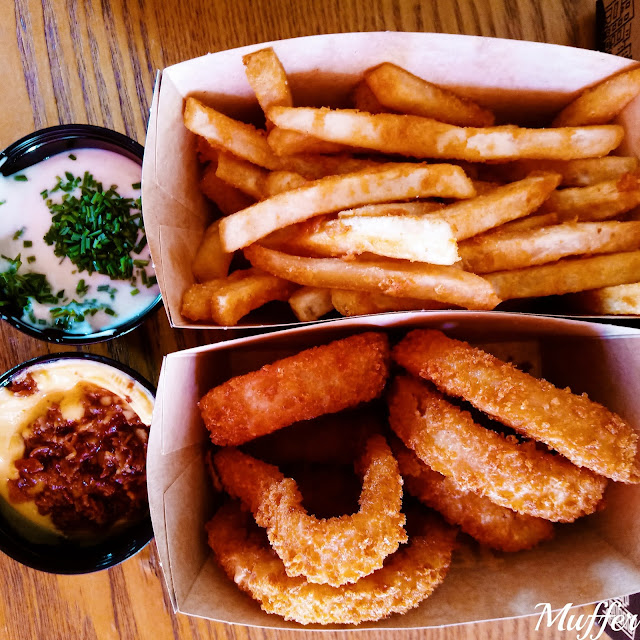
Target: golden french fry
401	181
397	89
567	276
239	138
311	303
268	79
601	103
575	173
397	278
313	167
227	198
515	250
233	300
286	143
393	209
499	205
361	303
365	100
211	261
206	151
196	301
425	138
245	176
597	202
279	181
623	299
528	223
414	238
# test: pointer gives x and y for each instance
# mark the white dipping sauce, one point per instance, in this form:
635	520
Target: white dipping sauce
25	218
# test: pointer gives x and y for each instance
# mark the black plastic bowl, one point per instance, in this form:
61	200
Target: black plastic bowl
39	146
65	556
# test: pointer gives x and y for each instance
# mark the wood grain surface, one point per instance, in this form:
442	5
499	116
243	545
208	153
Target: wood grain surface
94	61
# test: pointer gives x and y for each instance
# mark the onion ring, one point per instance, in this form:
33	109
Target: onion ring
332	551
488	523
316	381
514	475
584	431
408	576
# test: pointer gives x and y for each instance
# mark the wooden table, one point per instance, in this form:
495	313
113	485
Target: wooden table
94	61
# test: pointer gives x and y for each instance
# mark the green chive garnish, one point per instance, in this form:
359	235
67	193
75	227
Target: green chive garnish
98	230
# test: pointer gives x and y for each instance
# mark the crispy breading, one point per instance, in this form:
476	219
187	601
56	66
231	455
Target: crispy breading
316	381
584	431
514	475
479	517
332	551
408	577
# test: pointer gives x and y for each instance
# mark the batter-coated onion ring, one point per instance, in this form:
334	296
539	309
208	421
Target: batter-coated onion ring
332	551
514	475
408	576
584	431
495	526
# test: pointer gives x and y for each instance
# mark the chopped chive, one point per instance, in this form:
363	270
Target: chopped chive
135	292
20	178
18	233
97	230
136	185
31	259
72	157
2	201
27	243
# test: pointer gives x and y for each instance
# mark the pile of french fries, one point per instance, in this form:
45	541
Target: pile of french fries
413	199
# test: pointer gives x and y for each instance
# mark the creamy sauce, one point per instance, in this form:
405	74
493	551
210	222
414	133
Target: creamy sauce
25	218
57	382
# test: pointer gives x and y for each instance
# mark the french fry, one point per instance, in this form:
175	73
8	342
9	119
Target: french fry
597	202
287	143
575	173
515	250
398	90
414	238
210	261
196	301
310	303
393	209
396	278
227	198
206	151
401	181
226	300
361	303
313	167
245	176
365	100
500	205
623	299
240	139
279	181
567	276
268	79
601	103
235	299
419	137
528	223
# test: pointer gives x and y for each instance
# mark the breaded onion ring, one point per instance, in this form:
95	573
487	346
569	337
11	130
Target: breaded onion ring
408	577
513	475
584	431
331	551
316	381
497	527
